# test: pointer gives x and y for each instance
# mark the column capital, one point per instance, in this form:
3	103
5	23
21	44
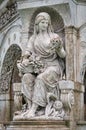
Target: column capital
71	30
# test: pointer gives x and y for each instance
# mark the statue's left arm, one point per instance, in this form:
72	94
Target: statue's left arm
58	45
60	51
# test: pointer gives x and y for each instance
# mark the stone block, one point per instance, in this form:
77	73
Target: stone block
81	125
37	125
66	85
4	107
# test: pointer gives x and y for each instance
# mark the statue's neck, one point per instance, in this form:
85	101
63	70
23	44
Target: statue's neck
44	34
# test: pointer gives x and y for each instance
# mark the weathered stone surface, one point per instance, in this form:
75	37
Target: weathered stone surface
81	125
41	68
37	125
73	14
4	107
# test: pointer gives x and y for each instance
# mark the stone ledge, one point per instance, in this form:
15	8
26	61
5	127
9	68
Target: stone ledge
36	125
38	3
81	123
36	122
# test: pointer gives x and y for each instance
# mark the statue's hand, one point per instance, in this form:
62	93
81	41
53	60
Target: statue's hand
56	43
25	65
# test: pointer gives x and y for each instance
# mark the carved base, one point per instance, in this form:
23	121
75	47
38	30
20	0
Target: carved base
37	125
18	118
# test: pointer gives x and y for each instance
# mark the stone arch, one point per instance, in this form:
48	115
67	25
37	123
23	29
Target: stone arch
83	79
82	52
83	69
9	75
85	94
6	42
9	67
15	27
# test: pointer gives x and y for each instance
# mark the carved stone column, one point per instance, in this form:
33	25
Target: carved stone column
17	96
4	107
71	48
72	68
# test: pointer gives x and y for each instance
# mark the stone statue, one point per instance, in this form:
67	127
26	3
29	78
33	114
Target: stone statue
40	71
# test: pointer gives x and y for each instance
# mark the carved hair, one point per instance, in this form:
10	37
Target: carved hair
42	16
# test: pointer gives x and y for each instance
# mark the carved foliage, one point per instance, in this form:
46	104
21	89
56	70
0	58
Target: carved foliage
9	67
7	16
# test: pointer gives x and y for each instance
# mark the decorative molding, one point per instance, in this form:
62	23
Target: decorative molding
38	3
9	71
81	1
8	15
83	69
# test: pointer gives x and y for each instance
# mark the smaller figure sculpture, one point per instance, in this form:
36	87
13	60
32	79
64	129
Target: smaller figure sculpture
40	68
54	107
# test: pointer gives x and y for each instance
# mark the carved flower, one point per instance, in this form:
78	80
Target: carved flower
56	42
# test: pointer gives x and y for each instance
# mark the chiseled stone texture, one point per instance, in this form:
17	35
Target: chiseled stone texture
81	125
37	125
73	14
4	107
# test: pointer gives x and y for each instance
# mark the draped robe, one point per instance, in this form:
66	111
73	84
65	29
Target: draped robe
47	81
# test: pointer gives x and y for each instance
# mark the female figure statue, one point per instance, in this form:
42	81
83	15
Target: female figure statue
40	68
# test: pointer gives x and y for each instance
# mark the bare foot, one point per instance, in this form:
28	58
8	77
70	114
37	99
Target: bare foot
19	116
31	112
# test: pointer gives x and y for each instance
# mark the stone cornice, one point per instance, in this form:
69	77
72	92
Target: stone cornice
80	2
71	30
38	3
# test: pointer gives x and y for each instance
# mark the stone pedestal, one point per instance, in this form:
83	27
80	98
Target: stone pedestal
17	96
71	53
37	125
73	73
4	107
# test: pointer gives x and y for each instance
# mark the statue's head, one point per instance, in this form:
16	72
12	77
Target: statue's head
42	17
58	105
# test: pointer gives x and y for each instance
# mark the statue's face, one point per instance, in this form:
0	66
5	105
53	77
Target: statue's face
58	105
43	25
